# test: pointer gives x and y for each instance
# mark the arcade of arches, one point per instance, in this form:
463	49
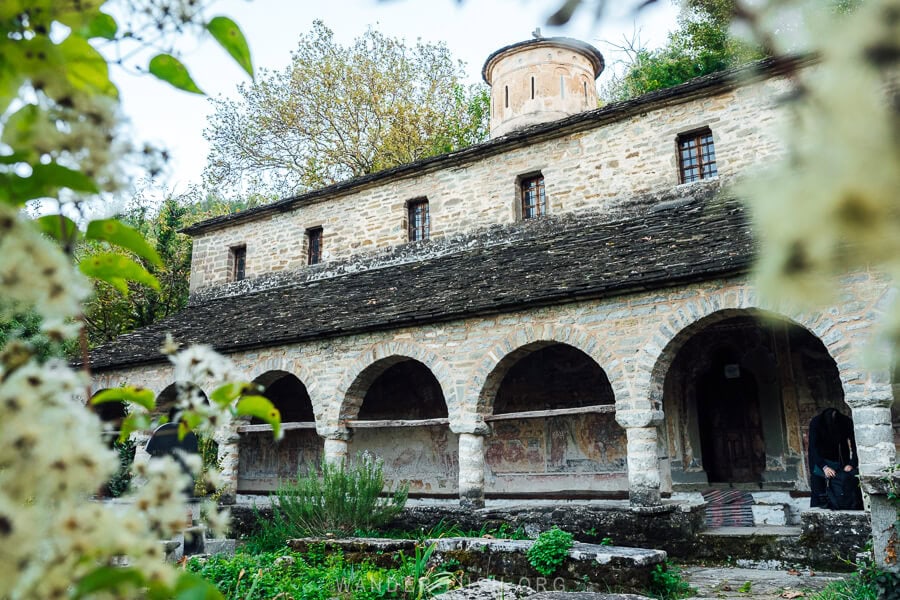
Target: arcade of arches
546	419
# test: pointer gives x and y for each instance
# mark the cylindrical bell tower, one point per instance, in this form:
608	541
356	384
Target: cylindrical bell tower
541	80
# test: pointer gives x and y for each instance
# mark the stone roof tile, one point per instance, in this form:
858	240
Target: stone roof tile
558	260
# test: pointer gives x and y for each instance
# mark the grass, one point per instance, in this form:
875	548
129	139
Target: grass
317	576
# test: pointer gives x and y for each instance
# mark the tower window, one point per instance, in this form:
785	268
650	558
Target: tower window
532	88
506	94
534	199
696	156
419	220
238	263
314	246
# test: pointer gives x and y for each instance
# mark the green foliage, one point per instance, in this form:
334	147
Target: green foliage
130	394
314	576
108	313
339	112
550	550
25	328
263	409
666	583
340	500
209	455
118	483
701	45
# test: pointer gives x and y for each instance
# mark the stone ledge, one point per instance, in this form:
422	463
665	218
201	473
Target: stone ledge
593	567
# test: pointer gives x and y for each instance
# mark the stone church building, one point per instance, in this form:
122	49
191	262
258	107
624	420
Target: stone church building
564	311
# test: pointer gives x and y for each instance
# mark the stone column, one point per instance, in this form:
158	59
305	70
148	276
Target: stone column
471	470
228	441
337	444
875	443
643	462
471	460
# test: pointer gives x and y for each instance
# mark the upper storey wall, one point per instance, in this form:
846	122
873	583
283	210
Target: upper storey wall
595	169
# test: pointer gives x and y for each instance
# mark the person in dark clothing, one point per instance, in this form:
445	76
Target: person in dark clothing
832	447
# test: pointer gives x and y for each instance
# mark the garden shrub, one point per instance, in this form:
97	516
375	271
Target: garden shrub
342	499
549	551
666	583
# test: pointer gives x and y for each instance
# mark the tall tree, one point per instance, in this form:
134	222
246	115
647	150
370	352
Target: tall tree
342	111
700	45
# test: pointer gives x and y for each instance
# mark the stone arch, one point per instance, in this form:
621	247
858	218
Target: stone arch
572	454
860	389
489	373
655	358
374	361
296	368
166	399
109	412
289	395
263	463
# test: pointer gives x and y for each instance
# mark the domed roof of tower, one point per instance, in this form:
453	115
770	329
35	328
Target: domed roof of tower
587	50
541	80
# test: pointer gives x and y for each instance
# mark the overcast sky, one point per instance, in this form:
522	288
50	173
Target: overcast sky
472	29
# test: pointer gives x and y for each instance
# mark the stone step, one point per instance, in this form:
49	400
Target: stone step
785	531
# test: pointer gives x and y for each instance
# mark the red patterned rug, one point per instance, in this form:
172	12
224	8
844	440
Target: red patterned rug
728	508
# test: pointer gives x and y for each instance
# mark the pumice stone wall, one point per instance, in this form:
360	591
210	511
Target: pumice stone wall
563	311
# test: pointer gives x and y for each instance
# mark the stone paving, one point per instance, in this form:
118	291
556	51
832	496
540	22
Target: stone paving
710	583
758	584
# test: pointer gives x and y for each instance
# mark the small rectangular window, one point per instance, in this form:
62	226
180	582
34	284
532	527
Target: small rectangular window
238	263
696	156
419	220
534	200
314	246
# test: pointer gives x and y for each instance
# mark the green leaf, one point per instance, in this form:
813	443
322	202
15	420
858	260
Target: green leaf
18	131
86	69
226	394
116	269
116	232
55	175
172	71
11	159
261	408
230	37
101	26
133	422
107	578
44	182
191	586
59	227
188	422
133	394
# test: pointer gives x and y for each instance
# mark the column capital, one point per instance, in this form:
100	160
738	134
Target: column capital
335	432
472	425
630	419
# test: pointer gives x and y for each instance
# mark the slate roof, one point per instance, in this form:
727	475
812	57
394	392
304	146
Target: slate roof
689	236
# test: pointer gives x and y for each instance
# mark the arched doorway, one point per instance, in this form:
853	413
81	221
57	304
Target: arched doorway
403	420
739	396
553	423
265	462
